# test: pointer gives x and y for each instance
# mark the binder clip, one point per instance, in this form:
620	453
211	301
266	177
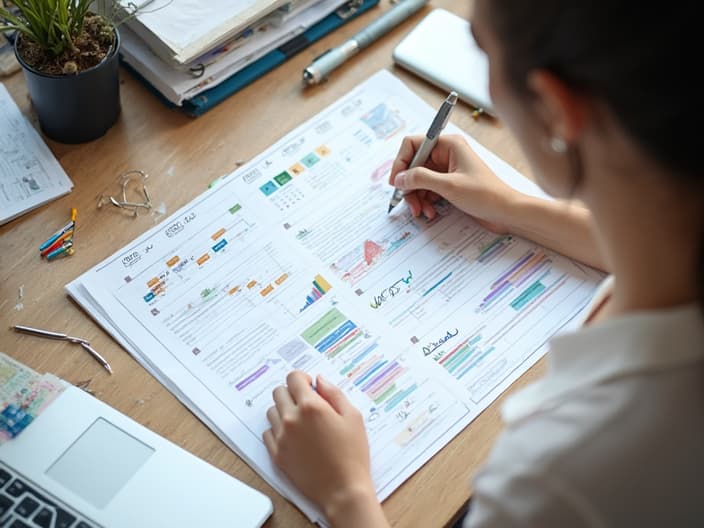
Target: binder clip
130	178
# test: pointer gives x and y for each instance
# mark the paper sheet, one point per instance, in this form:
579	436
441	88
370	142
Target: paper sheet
292	262
29	174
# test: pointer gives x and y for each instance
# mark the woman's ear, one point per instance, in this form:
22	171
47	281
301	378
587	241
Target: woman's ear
562	111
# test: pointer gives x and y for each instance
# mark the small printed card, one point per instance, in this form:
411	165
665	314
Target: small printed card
24	394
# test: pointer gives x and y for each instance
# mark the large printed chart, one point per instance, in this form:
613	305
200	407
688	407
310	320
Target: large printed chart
293	263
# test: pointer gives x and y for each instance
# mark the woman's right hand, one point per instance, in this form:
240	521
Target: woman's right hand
456	173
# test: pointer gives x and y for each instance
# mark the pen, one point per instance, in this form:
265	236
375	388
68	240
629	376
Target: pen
57	243
56	235
331	59
429	141
64	337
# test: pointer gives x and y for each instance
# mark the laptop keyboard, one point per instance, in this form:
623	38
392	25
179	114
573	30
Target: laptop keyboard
21	506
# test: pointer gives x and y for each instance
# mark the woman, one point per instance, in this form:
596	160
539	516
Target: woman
614	434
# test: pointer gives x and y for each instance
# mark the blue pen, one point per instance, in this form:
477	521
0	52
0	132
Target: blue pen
56	235
66	248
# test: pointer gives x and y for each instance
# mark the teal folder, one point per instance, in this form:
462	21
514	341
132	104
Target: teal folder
206	100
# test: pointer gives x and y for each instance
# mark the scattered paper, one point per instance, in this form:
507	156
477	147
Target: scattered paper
29	173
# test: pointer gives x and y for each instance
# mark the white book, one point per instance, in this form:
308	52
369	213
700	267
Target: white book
30	176
180	31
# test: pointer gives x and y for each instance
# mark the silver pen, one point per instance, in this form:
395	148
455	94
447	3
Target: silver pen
64	337
331	59
429	142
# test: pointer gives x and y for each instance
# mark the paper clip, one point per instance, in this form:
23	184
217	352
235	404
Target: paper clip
125	179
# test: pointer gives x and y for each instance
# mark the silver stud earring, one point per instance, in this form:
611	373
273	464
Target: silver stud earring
558	145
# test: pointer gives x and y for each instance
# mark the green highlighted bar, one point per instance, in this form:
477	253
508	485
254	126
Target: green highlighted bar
388	392
235	208
459	358
283	178
323	326
491	245
528	295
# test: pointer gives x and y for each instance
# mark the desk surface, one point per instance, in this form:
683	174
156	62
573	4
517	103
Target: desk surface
182	155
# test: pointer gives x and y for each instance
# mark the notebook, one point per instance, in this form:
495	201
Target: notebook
211	97
441	50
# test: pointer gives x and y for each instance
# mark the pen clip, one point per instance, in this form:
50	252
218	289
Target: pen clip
349	9
322	54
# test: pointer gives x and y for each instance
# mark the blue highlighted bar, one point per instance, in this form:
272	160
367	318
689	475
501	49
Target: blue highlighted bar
436	284
148	297
344	329
399	397
220	245
370	372
359	358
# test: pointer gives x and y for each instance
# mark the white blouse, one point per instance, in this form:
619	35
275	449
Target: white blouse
613	435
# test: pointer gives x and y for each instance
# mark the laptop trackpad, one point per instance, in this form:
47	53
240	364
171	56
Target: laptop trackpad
100	462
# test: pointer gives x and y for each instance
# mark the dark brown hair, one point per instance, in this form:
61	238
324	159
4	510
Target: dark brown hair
638	58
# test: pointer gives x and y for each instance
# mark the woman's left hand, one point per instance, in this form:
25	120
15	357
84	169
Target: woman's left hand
317	438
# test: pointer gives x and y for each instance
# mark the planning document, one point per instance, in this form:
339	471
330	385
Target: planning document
292	262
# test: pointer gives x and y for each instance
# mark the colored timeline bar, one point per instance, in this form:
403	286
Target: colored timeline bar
522	270
320	288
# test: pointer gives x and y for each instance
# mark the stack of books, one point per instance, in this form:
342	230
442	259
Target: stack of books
194	54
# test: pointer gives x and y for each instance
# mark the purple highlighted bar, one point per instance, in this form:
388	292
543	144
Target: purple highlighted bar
513	268
496	292
252	377
376	378
541	265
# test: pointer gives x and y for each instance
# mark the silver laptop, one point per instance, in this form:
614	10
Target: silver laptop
82	464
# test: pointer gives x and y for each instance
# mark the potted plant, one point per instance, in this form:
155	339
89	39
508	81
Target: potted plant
69	56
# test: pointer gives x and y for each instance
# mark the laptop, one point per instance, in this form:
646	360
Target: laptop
82	464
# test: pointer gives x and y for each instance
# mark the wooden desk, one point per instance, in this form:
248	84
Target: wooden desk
182	156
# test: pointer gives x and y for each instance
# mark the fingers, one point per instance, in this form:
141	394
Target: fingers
424	178
299	385
283	400
414	203
408	148
274	419
333	395
270	443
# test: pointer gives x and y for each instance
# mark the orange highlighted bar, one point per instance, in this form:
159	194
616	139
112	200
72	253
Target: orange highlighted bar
266	291
234	290
220	232
251	284
281	279
152	282
203	259
322	151
173	261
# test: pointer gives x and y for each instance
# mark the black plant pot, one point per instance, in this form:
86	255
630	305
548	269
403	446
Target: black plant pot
76	108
